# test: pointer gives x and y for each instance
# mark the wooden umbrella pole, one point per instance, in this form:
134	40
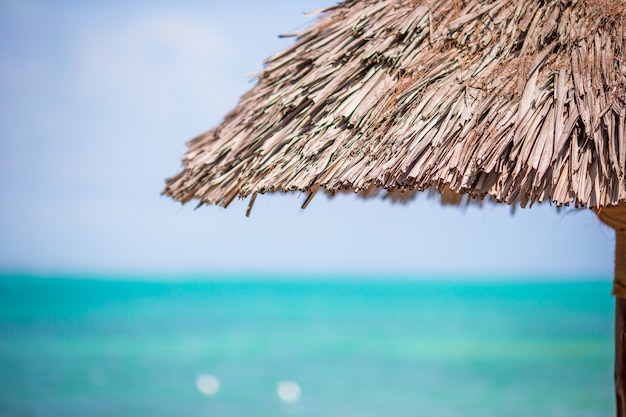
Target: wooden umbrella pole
620	370
620	322
615	217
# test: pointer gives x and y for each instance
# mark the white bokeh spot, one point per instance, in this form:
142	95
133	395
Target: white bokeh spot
208	384
288	391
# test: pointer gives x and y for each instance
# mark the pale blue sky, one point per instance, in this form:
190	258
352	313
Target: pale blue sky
97	100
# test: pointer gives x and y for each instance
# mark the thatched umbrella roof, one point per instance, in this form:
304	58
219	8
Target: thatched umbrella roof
521	101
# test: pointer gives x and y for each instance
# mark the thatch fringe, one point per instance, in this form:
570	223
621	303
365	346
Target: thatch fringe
522	101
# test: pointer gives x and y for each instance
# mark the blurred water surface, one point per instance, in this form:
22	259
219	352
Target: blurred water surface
78	347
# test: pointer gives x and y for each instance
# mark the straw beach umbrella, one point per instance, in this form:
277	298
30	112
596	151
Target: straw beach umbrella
516	102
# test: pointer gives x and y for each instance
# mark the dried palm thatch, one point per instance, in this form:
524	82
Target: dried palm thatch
522	101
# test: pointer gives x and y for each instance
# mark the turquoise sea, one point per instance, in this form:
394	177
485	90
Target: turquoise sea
221	347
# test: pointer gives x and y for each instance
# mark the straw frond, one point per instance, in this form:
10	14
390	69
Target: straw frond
522	101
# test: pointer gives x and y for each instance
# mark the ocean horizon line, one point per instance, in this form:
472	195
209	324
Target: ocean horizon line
245	276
